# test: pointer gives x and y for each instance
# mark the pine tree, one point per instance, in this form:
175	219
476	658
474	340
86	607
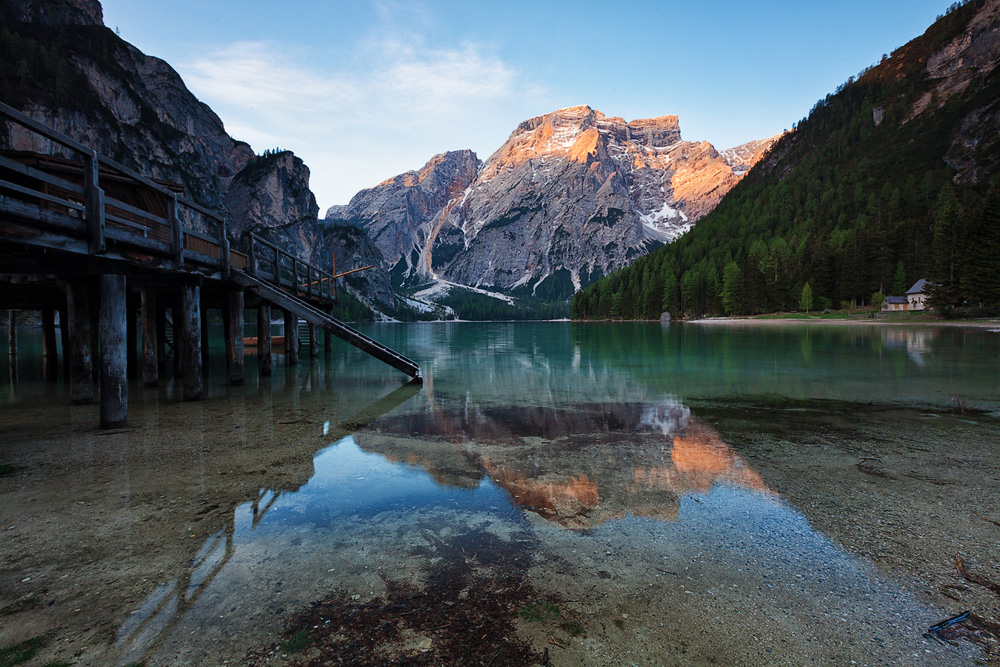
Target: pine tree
945	294
899	282
981	261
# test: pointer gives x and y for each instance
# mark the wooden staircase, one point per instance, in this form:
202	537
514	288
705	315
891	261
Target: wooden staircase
311	315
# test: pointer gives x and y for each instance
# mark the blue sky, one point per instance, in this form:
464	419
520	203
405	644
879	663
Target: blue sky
364	90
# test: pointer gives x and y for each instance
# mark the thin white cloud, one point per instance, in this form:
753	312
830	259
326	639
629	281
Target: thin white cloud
405	92
448	80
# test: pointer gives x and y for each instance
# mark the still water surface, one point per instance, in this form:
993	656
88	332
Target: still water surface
579	494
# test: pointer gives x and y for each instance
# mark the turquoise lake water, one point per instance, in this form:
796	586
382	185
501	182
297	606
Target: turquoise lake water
597	494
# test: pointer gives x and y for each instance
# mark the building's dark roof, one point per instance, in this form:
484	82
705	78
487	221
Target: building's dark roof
918	287
896	299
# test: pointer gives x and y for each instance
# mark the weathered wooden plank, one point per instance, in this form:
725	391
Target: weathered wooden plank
38	174
128	208
125	238
32	214
36	194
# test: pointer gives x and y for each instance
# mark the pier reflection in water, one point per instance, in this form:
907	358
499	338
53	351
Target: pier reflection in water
547	468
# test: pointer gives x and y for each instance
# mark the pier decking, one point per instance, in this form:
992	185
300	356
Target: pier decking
92	239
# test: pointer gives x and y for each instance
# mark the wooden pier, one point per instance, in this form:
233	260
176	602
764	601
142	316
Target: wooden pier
91	239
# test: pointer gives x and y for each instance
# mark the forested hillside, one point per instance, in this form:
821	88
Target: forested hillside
885	182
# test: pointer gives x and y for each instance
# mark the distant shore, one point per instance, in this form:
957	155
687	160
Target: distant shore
986	324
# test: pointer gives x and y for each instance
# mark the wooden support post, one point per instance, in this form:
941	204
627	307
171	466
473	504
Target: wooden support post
81	364
234	338
264	339
191	342
150	341
132	337
313	341
291	338
50	355
12	334
114	355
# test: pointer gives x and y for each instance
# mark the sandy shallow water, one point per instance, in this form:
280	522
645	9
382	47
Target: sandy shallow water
319	519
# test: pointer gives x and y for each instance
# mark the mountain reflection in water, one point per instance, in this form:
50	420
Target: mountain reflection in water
578	467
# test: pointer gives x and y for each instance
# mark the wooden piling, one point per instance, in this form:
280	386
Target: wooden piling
313	340
50	354
234	338
114	352
81	365
291	338
150	341
264	339
131	336
191	342
12	334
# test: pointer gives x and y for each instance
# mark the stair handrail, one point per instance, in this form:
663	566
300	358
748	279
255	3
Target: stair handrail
323	281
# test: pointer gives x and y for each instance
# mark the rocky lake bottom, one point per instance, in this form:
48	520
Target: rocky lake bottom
554	494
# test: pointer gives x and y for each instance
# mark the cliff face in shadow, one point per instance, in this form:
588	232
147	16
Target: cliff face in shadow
70	72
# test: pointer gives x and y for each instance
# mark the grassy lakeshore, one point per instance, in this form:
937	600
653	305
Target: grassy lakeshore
843	317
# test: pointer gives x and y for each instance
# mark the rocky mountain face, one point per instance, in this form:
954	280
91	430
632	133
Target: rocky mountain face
396	213
569	197
84	81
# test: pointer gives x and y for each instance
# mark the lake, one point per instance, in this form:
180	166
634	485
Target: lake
555	493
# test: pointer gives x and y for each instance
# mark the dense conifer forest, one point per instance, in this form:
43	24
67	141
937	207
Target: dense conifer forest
862	197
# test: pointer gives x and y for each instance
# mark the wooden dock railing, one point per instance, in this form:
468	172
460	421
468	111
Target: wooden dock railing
78	200
268	262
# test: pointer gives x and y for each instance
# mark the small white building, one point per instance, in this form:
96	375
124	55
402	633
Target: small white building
916	296
915	299
896	303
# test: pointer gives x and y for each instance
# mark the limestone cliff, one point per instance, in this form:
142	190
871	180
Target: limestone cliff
569	197
395	213
574	195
